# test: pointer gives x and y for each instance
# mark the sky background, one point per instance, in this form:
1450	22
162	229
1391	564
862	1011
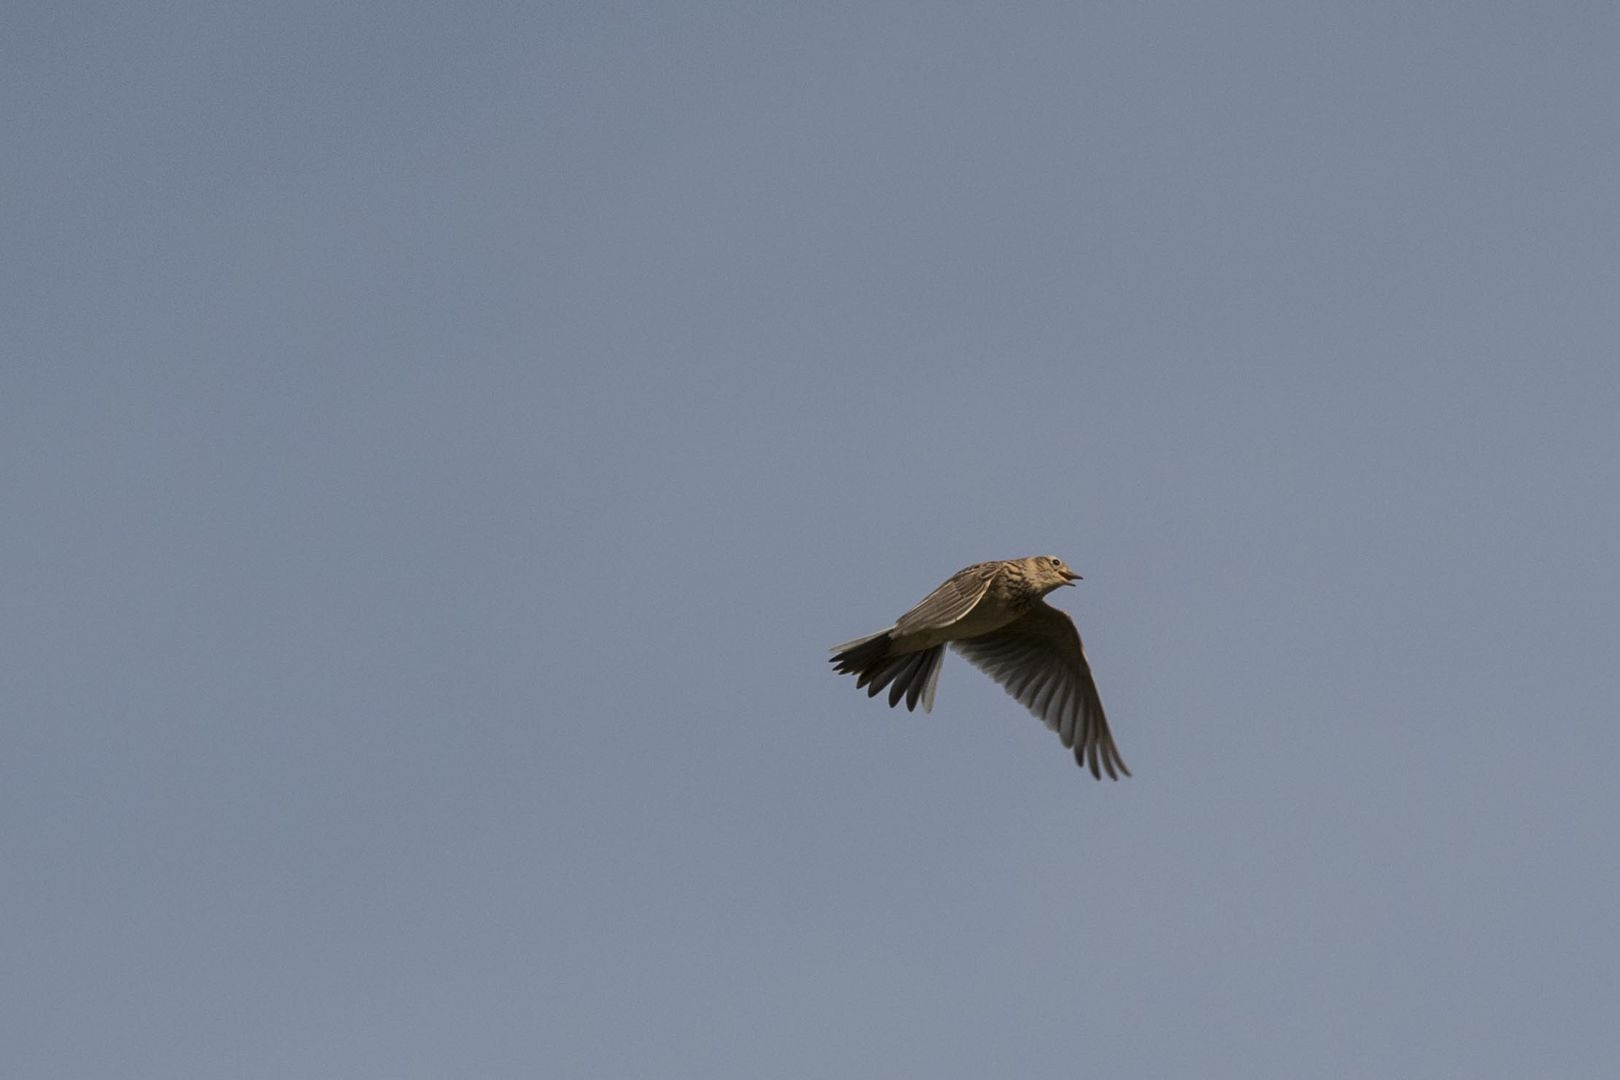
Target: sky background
440	442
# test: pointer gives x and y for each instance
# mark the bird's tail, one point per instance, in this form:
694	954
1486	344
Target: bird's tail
912	675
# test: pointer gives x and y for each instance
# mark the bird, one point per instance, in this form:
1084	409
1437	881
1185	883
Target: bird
995	614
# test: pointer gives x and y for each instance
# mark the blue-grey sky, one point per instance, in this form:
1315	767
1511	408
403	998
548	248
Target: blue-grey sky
440	442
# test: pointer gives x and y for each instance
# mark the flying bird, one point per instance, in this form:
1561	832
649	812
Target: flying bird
994	614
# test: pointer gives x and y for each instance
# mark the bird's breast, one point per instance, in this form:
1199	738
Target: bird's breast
990	614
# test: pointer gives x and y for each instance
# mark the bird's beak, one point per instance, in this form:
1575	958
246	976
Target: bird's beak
1070	577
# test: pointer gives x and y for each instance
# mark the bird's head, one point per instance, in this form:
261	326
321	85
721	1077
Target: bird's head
1049	572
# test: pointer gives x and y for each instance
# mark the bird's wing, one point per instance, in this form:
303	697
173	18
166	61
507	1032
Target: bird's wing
1039	660
959	595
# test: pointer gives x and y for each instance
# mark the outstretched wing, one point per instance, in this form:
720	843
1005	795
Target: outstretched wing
1039	660
947	604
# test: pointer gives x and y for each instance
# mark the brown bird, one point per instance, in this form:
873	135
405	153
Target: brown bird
993	614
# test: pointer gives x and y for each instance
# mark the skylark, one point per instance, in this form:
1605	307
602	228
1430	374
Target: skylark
993	614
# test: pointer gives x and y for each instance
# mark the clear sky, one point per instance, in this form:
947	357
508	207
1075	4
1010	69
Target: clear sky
440	442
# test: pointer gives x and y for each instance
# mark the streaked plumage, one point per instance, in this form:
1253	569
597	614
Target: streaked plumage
993	614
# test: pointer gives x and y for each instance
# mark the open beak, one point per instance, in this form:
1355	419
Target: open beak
1070	577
